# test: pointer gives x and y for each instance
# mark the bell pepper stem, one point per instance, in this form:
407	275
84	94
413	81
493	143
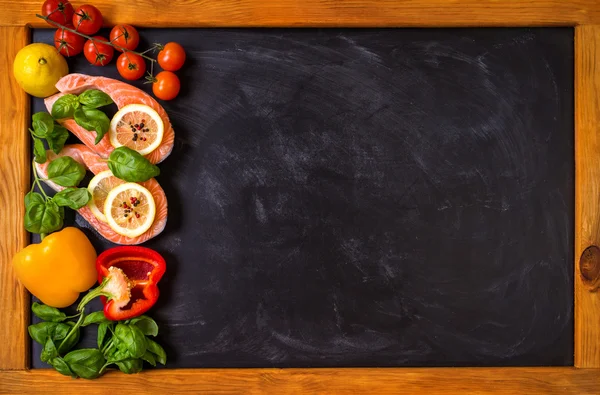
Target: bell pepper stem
98	291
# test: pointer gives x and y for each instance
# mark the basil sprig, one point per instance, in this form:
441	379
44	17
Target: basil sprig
84	109
126	344
44	214
44	127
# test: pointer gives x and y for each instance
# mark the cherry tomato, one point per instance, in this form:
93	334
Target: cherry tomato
97	53
166	85
125	36
171	57
68	43
131	66
87	19
59	11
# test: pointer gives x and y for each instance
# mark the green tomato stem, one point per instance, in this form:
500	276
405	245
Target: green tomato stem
50	21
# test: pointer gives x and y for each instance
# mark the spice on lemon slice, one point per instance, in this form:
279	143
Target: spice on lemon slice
138	127
130	209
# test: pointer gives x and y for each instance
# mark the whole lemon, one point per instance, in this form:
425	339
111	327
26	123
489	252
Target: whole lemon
38	67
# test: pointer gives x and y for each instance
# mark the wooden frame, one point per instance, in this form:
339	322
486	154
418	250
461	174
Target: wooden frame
584	378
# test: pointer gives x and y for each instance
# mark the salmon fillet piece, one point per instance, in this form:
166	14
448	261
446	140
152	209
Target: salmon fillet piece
122	94
96	164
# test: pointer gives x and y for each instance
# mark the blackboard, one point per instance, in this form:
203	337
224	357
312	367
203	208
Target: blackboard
394	197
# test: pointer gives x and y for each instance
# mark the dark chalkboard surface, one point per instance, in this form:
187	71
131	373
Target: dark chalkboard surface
367	198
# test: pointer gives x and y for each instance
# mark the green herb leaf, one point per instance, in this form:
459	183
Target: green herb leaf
133	338
39	151
130	366
66	172
92	119
97	317
49	352
94	98
146	324
34	198
56	331
40	332
57	138
70	342
157	350
61	366
117	355
86	362
42	124
48	313
43	217
74	198
149	357
102	330
129	165
65	106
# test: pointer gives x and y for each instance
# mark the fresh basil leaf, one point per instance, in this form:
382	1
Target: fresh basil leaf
70	342
149	357
49	352
146	324
34	198
65	106
86	362
118	355
60	331
157	350
74	198
43	217
97	317
48	313
129	165
57	138
130	366
40	332
66	171
61	367
39	151
92	120
94	98
131	337
102	329
42	124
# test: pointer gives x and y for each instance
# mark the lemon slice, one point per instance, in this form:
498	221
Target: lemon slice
138	127
99	186
129	209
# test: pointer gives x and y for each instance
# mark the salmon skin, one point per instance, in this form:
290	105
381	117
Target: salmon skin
122	94
96	164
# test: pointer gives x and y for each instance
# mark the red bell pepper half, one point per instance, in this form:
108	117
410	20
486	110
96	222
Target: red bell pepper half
143	268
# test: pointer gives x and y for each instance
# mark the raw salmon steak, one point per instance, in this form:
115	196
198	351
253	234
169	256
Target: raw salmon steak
122	94
96	164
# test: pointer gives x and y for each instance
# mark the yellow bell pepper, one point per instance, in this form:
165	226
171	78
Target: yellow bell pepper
59	268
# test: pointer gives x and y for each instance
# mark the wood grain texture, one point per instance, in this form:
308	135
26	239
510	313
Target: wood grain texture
14	181
289	13
315	381
587	192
